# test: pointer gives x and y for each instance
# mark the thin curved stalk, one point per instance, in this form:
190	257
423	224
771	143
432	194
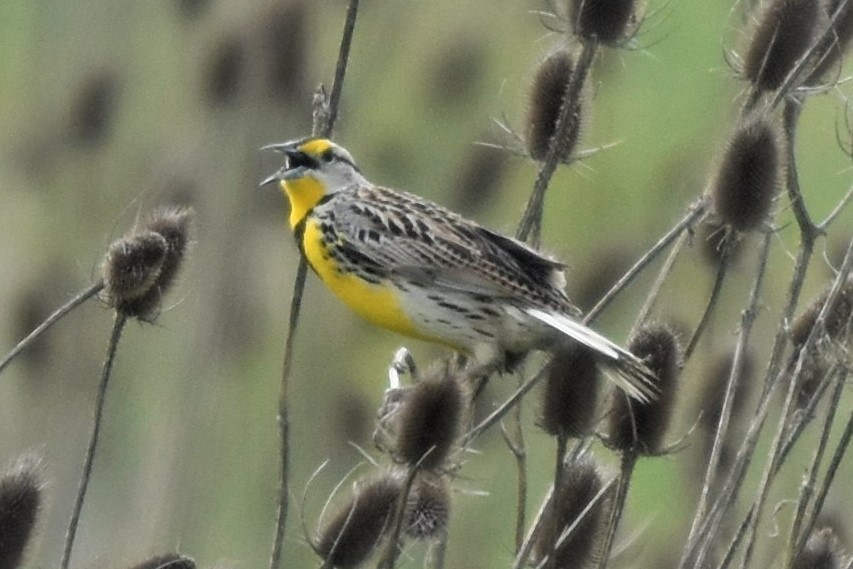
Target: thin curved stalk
629	460
712	300
324	127
71	533
697	210
51	320
700	531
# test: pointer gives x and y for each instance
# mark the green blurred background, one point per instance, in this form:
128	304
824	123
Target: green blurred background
109	109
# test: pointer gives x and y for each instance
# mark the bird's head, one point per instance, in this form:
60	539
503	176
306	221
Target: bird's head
313	169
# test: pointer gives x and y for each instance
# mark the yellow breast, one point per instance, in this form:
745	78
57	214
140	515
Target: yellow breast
378	303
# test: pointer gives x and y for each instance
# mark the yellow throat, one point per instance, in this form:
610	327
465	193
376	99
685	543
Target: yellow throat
303	194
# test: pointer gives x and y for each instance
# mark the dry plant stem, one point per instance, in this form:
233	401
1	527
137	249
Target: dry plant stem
51	320
629	460
790	117
118	326
438	554
808	233
519	451
795	541
712	300
785	417
392	547
585	512
340	69
504	408
530	227
559	473
696	212
806	61
283	417
837	457
533	532
328	123
748	317
663	274
796	430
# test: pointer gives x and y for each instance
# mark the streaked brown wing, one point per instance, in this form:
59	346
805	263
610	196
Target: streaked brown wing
433	246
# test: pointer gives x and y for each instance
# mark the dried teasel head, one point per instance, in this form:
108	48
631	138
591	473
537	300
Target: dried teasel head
140	267
350	537
837	317
640	427
428	510
610	22
823	550
580	489
570	399
749	174
429	420
20	500
783	32
833	46
546	100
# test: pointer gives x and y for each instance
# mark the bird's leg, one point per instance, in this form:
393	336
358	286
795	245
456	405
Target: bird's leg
402	363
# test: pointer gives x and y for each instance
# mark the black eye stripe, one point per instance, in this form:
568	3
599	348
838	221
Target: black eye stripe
302	159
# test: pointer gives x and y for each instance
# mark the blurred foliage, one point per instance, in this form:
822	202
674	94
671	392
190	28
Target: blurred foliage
109	109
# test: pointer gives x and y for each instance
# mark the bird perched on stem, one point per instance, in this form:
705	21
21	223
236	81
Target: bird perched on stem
414	267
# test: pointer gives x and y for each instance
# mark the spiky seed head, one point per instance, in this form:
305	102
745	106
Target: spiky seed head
570	400
353	533
429	421
581	484
823	550
223	71
832	48
92	110
20	500
169	226
783	32
640	427
749	174
132	266
546	100
166	561
606	21
428	510
837	318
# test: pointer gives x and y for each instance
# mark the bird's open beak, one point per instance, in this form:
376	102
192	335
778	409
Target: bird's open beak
288	171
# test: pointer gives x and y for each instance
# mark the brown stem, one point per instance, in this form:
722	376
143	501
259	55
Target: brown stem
629	460
112	347
331	114
531	221
51	320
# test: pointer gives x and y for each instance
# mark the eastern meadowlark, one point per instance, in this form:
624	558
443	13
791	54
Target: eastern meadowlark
414	267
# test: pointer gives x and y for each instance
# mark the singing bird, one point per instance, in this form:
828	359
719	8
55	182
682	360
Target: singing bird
412	266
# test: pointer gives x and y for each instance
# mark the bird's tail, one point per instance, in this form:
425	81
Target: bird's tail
626	370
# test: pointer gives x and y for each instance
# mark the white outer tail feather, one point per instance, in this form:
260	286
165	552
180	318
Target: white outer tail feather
631	375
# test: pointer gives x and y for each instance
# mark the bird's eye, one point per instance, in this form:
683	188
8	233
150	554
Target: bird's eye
327	156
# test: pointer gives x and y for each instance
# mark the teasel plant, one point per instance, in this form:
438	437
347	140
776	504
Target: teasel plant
137	270
429	428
